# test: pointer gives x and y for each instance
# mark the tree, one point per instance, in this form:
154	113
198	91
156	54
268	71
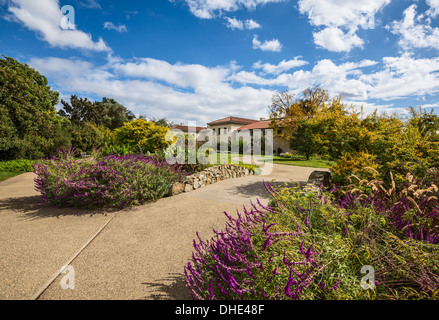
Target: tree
107	113
286	111
163	122
114	114
80	110
29	125
303	139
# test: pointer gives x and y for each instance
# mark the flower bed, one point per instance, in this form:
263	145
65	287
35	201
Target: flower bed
111	181
307	245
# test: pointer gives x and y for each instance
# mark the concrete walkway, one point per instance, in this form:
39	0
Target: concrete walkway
139	254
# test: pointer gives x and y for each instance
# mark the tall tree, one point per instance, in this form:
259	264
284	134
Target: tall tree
286	111
107	113
29	125
80	110
114	114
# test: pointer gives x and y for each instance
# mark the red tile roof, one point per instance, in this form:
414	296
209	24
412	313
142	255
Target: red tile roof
186	128
263	124
233	120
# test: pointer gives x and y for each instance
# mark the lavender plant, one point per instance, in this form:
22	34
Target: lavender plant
111	181
305	245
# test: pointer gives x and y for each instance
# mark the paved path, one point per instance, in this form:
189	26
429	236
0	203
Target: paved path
140	254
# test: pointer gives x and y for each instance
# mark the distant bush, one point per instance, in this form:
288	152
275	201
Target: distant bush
16	166
120	150
111	181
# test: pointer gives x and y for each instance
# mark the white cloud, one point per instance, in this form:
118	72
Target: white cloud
234	24
182	75
111	26
282	66
370	107
342	12
91	4
207	9
159	89
44	17
334	39
337	79
195	92
268	45
404	76
413	34
434	8
252	24
340	20
430	105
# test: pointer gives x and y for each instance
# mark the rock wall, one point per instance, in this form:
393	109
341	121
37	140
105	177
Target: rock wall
209	176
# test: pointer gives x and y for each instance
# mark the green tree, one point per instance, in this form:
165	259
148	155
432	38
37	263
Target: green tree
303	139
113	114
107	113
80	110
29	125
163	122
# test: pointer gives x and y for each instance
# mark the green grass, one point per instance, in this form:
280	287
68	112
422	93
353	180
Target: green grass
313	162
226	158
7	175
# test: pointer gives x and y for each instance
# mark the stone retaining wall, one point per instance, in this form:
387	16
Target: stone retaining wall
209	176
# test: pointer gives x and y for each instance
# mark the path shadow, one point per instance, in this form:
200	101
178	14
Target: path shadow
32	208
172	287
257	189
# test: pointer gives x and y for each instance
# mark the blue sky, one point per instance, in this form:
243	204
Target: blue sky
200	60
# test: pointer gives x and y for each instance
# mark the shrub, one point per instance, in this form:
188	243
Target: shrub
305	245
354	163
111	181
16	165
142	136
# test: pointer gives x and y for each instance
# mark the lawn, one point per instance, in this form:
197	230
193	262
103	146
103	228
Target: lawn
313	162
7	175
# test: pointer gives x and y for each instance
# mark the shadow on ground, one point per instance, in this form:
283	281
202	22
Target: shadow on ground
171	288
257	189
32	208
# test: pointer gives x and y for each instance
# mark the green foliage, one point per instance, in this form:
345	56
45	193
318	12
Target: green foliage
107	113
303	141
21	165
120	150
142	136
163	122
112	181
313	246
87	137
391	143
29	126
113	114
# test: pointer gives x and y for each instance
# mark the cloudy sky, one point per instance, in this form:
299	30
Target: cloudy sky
200	60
